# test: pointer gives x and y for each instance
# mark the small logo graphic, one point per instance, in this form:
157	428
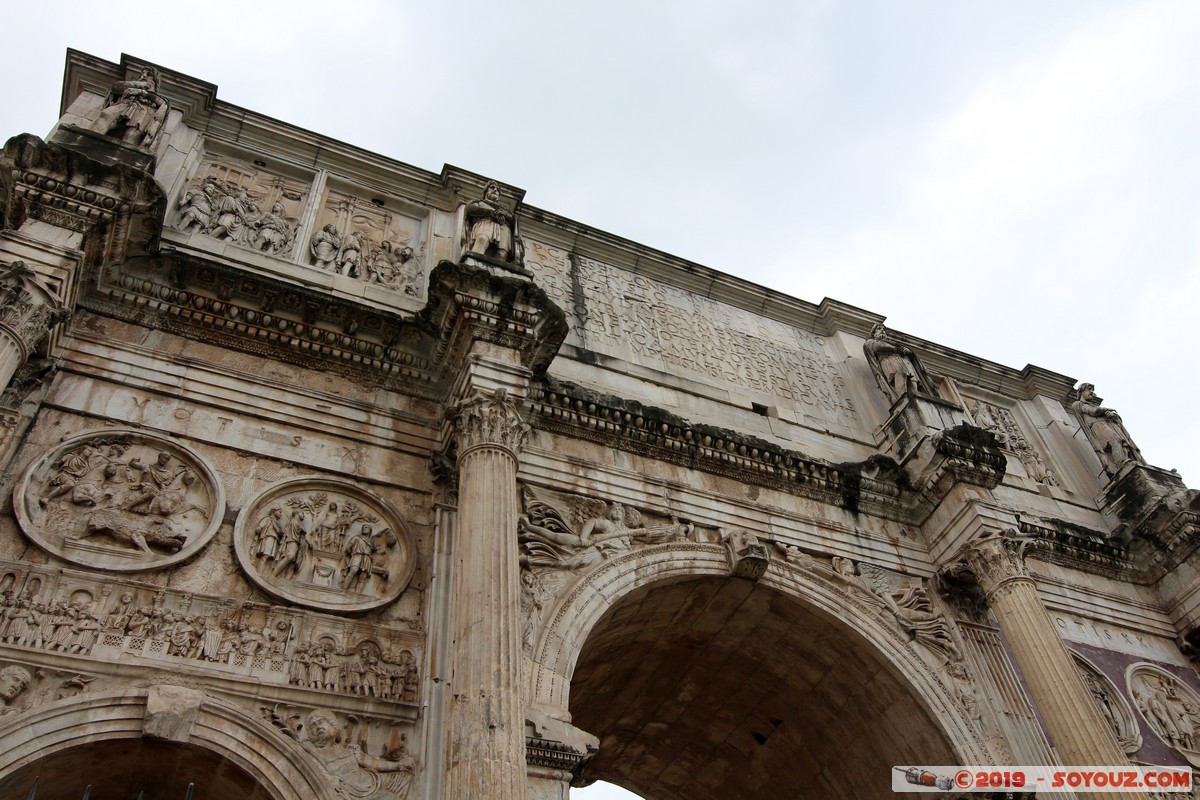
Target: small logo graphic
921	777
1051	778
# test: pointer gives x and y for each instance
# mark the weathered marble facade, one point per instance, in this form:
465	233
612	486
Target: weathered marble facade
329	477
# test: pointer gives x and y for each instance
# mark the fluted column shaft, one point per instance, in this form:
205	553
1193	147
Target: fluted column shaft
1079	733
486	719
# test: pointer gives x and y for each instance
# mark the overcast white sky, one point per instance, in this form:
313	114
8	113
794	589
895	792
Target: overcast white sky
1016	179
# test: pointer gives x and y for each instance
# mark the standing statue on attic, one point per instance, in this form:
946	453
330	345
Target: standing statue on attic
134	111
1105	431
897	368
491	228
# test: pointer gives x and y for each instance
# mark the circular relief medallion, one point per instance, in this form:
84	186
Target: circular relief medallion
1170	707
122	500
325	545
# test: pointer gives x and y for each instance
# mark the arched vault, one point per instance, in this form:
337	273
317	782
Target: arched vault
701	685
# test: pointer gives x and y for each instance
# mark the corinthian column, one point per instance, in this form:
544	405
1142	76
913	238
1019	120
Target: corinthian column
28	310
1078	732
486	719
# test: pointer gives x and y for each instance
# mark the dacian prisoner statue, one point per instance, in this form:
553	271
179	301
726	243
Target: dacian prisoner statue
897	368
1105	431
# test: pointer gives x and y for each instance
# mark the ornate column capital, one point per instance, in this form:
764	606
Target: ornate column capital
28	310
488	420
997	559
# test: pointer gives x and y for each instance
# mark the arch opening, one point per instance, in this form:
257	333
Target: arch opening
724	689
120	769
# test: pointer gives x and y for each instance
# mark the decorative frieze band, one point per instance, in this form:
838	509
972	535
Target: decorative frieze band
94	618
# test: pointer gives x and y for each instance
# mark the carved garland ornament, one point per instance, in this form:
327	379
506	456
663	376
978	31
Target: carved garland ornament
325	545
120	500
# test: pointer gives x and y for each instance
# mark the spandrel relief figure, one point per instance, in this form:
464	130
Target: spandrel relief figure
330	547
912	609
1110	705
968	696
551	537
14	679
134	111
1105	431
897	368
534	595
354	773
114	500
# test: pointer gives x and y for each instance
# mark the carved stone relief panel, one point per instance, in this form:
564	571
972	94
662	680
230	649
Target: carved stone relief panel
620	312
25	686
1112	705
902	598
1001	422
1170	708
326	545
236	201
360	663
85	617
362	759
561	534
365	239
575	533
120	500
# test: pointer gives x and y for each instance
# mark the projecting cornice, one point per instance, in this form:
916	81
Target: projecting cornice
877	485
220	303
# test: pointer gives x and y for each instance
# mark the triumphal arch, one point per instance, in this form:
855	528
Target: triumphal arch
330	477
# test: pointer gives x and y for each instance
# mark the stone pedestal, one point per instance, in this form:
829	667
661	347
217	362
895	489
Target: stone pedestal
104	149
